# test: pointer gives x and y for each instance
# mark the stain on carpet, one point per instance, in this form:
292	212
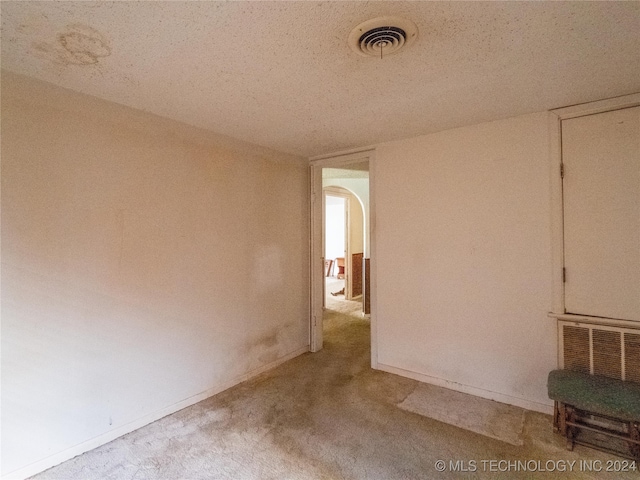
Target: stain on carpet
486	417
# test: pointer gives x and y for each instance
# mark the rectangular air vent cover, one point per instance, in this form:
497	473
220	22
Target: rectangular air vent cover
607	353
576	349
632	356
600	350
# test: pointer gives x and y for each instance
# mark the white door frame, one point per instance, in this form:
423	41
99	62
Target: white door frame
557	210
317	248
346	195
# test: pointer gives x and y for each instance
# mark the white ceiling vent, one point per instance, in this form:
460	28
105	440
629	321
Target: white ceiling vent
382	36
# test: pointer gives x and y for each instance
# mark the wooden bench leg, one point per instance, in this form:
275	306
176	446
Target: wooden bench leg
561	414
556	417
570	430
562	417
634	434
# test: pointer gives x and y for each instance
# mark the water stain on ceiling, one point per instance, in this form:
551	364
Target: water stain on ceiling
77	44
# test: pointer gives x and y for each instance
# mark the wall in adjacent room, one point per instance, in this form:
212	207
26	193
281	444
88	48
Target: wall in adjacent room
334	227
146	264
463	255
359	187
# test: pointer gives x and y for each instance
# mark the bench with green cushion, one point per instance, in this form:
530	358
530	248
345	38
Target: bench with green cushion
577	394
597	394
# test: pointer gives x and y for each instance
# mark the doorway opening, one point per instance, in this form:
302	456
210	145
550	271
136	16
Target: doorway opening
342	280
344	242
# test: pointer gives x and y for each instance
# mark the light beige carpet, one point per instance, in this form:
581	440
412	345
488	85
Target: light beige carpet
338	303
321	416
486	417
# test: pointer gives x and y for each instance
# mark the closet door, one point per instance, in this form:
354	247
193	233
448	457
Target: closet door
601	190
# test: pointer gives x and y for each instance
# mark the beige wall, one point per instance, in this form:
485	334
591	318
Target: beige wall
356	225
464	262
145	264
356	243
360	188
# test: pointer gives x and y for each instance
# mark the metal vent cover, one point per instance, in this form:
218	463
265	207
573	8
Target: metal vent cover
382	36
606	350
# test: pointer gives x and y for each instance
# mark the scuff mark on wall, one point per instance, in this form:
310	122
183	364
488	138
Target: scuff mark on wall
265	347
267	340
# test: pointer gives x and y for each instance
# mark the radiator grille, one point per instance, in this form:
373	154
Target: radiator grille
605	350
632	356
576	349
607	353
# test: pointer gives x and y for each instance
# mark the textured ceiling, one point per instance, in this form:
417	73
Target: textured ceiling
281	74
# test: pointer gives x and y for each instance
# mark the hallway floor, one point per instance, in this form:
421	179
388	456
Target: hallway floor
326	415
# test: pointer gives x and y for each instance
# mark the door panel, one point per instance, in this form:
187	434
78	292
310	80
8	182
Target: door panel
601	193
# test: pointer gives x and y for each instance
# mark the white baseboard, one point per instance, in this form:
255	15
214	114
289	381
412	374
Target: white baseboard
111	435
478	392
